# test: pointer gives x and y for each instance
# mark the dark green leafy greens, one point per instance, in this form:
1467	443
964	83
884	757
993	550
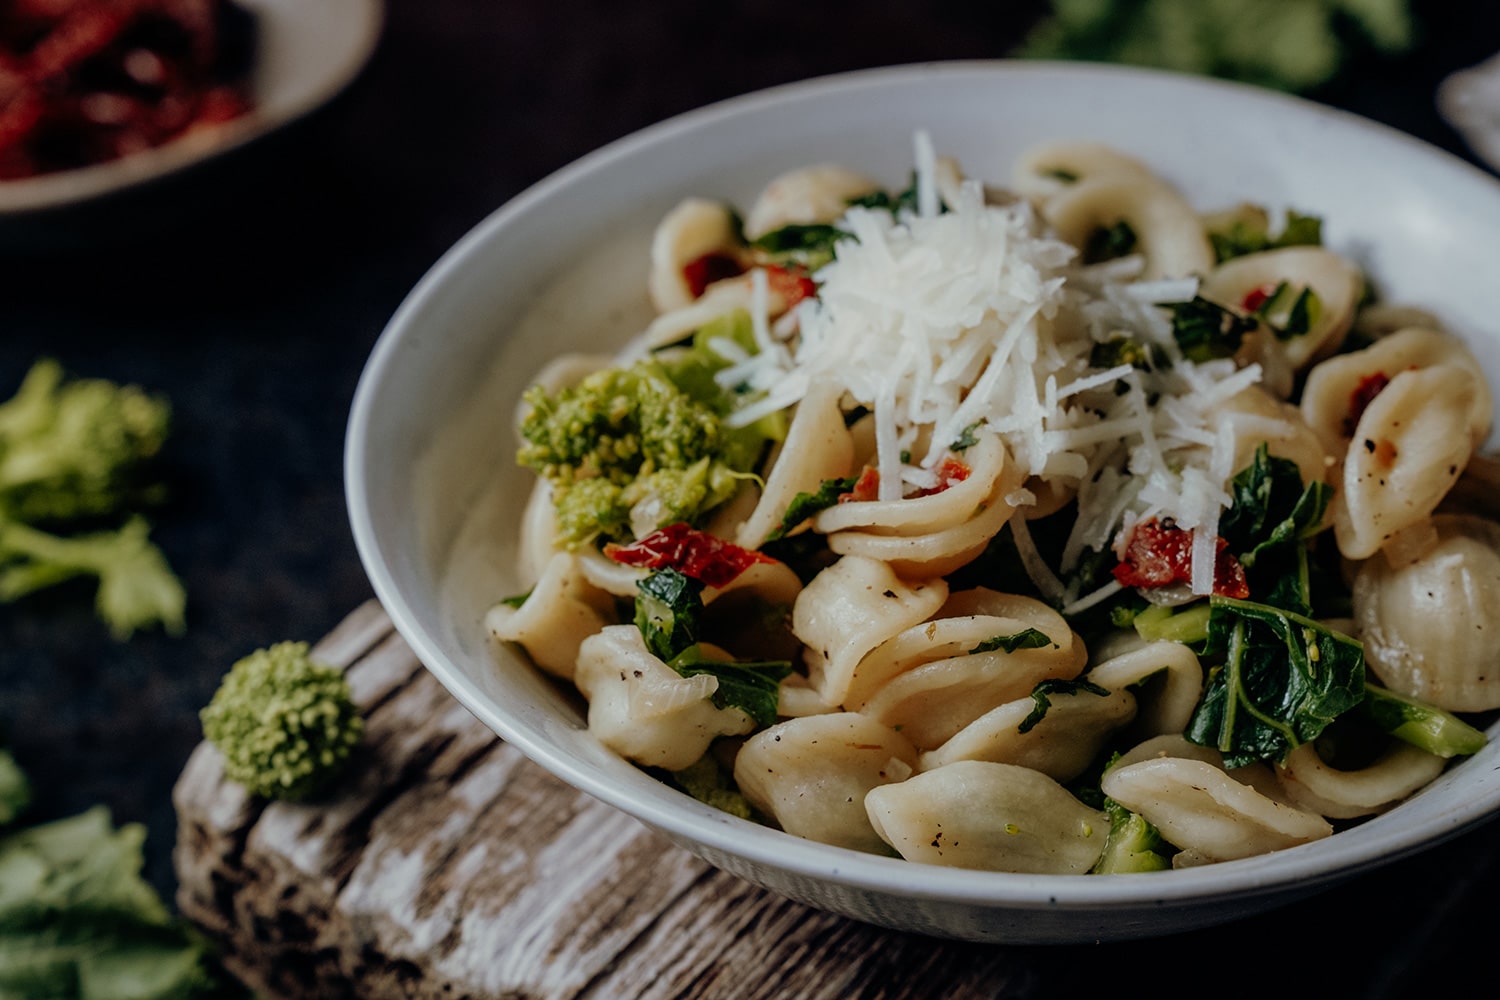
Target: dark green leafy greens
805	505
667	610
1242	236
1205	330
77	920
1042	695
1109	242
1026	639
1282	679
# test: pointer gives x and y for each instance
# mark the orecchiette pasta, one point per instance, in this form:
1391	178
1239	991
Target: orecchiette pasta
931	521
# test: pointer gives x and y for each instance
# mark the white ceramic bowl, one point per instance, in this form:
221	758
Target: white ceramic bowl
306	52
435	494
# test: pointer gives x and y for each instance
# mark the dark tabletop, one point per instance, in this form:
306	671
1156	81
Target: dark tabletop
251	292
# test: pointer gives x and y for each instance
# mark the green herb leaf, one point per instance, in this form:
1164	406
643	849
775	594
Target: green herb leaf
1283	679
666	611
1028	639
1109	242
1042	696
805	505
1205	330
752	687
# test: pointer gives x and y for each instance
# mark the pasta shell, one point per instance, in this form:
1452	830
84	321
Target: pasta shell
561	611
696	226
1335	281
1201	809
1408	450
1430	628
818	446
1048	169
644	710
1167	681
817	194
811	775
1061	745
988	816
850	608
1331	384
1167	229
1312	784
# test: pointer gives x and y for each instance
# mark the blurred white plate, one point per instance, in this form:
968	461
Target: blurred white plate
306	52
1470	101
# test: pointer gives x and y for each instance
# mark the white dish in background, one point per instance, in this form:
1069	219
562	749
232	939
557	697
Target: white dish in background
435	496
306	52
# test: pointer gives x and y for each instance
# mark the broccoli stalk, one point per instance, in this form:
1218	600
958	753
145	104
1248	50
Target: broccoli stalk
137	588
286	724
73	453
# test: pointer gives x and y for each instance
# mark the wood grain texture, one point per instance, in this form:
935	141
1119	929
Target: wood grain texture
451	866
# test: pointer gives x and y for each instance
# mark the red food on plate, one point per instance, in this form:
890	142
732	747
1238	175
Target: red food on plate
90	81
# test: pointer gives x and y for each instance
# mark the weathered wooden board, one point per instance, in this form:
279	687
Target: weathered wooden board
451	866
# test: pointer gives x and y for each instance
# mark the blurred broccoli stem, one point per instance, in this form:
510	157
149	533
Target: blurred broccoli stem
74	454
1292	45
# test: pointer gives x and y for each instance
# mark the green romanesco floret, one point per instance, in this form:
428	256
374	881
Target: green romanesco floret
74	448
626	447
286	724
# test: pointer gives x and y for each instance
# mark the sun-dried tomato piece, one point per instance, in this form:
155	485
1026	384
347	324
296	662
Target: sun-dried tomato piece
1359	400
792	286
866	487
950	472
703	271
1160	553
691	552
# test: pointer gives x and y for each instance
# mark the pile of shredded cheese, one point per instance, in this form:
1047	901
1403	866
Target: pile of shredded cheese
940	321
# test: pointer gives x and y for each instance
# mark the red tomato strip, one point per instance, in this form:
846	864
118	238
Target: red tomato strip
1160	554
1369	387
691	552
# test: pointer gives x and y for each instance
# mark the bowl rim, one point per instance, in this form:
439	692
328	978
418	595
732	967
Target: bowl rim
1303	867
357	43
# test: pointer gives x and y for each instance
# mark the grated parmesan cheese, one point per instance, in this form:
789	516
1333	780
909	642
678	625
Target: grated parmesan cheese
940	321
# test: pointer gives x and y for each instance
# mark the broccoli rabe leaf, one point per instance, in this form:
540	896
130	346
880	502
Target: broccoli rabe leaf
1242	235
806	245
667	607
136	587
753	687
1282	679
78	920
1205	330
1026	639
1271	507
15	790
805	505
1042	694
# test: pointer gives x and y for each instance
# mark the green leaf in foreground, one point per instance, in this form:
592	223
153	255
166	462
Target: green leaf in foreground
78	920
1025	639
15	790
752	687
1042	696
667	607
805	505
1283	678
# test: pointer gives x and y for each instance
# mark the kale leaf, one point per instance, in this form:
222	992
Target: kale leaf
1026	639
667	610
752	687
805	505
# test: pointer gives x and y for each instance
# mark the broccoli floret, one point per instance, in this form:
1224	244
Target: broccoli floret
137	589
74	448
285	723
73	457
628	447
